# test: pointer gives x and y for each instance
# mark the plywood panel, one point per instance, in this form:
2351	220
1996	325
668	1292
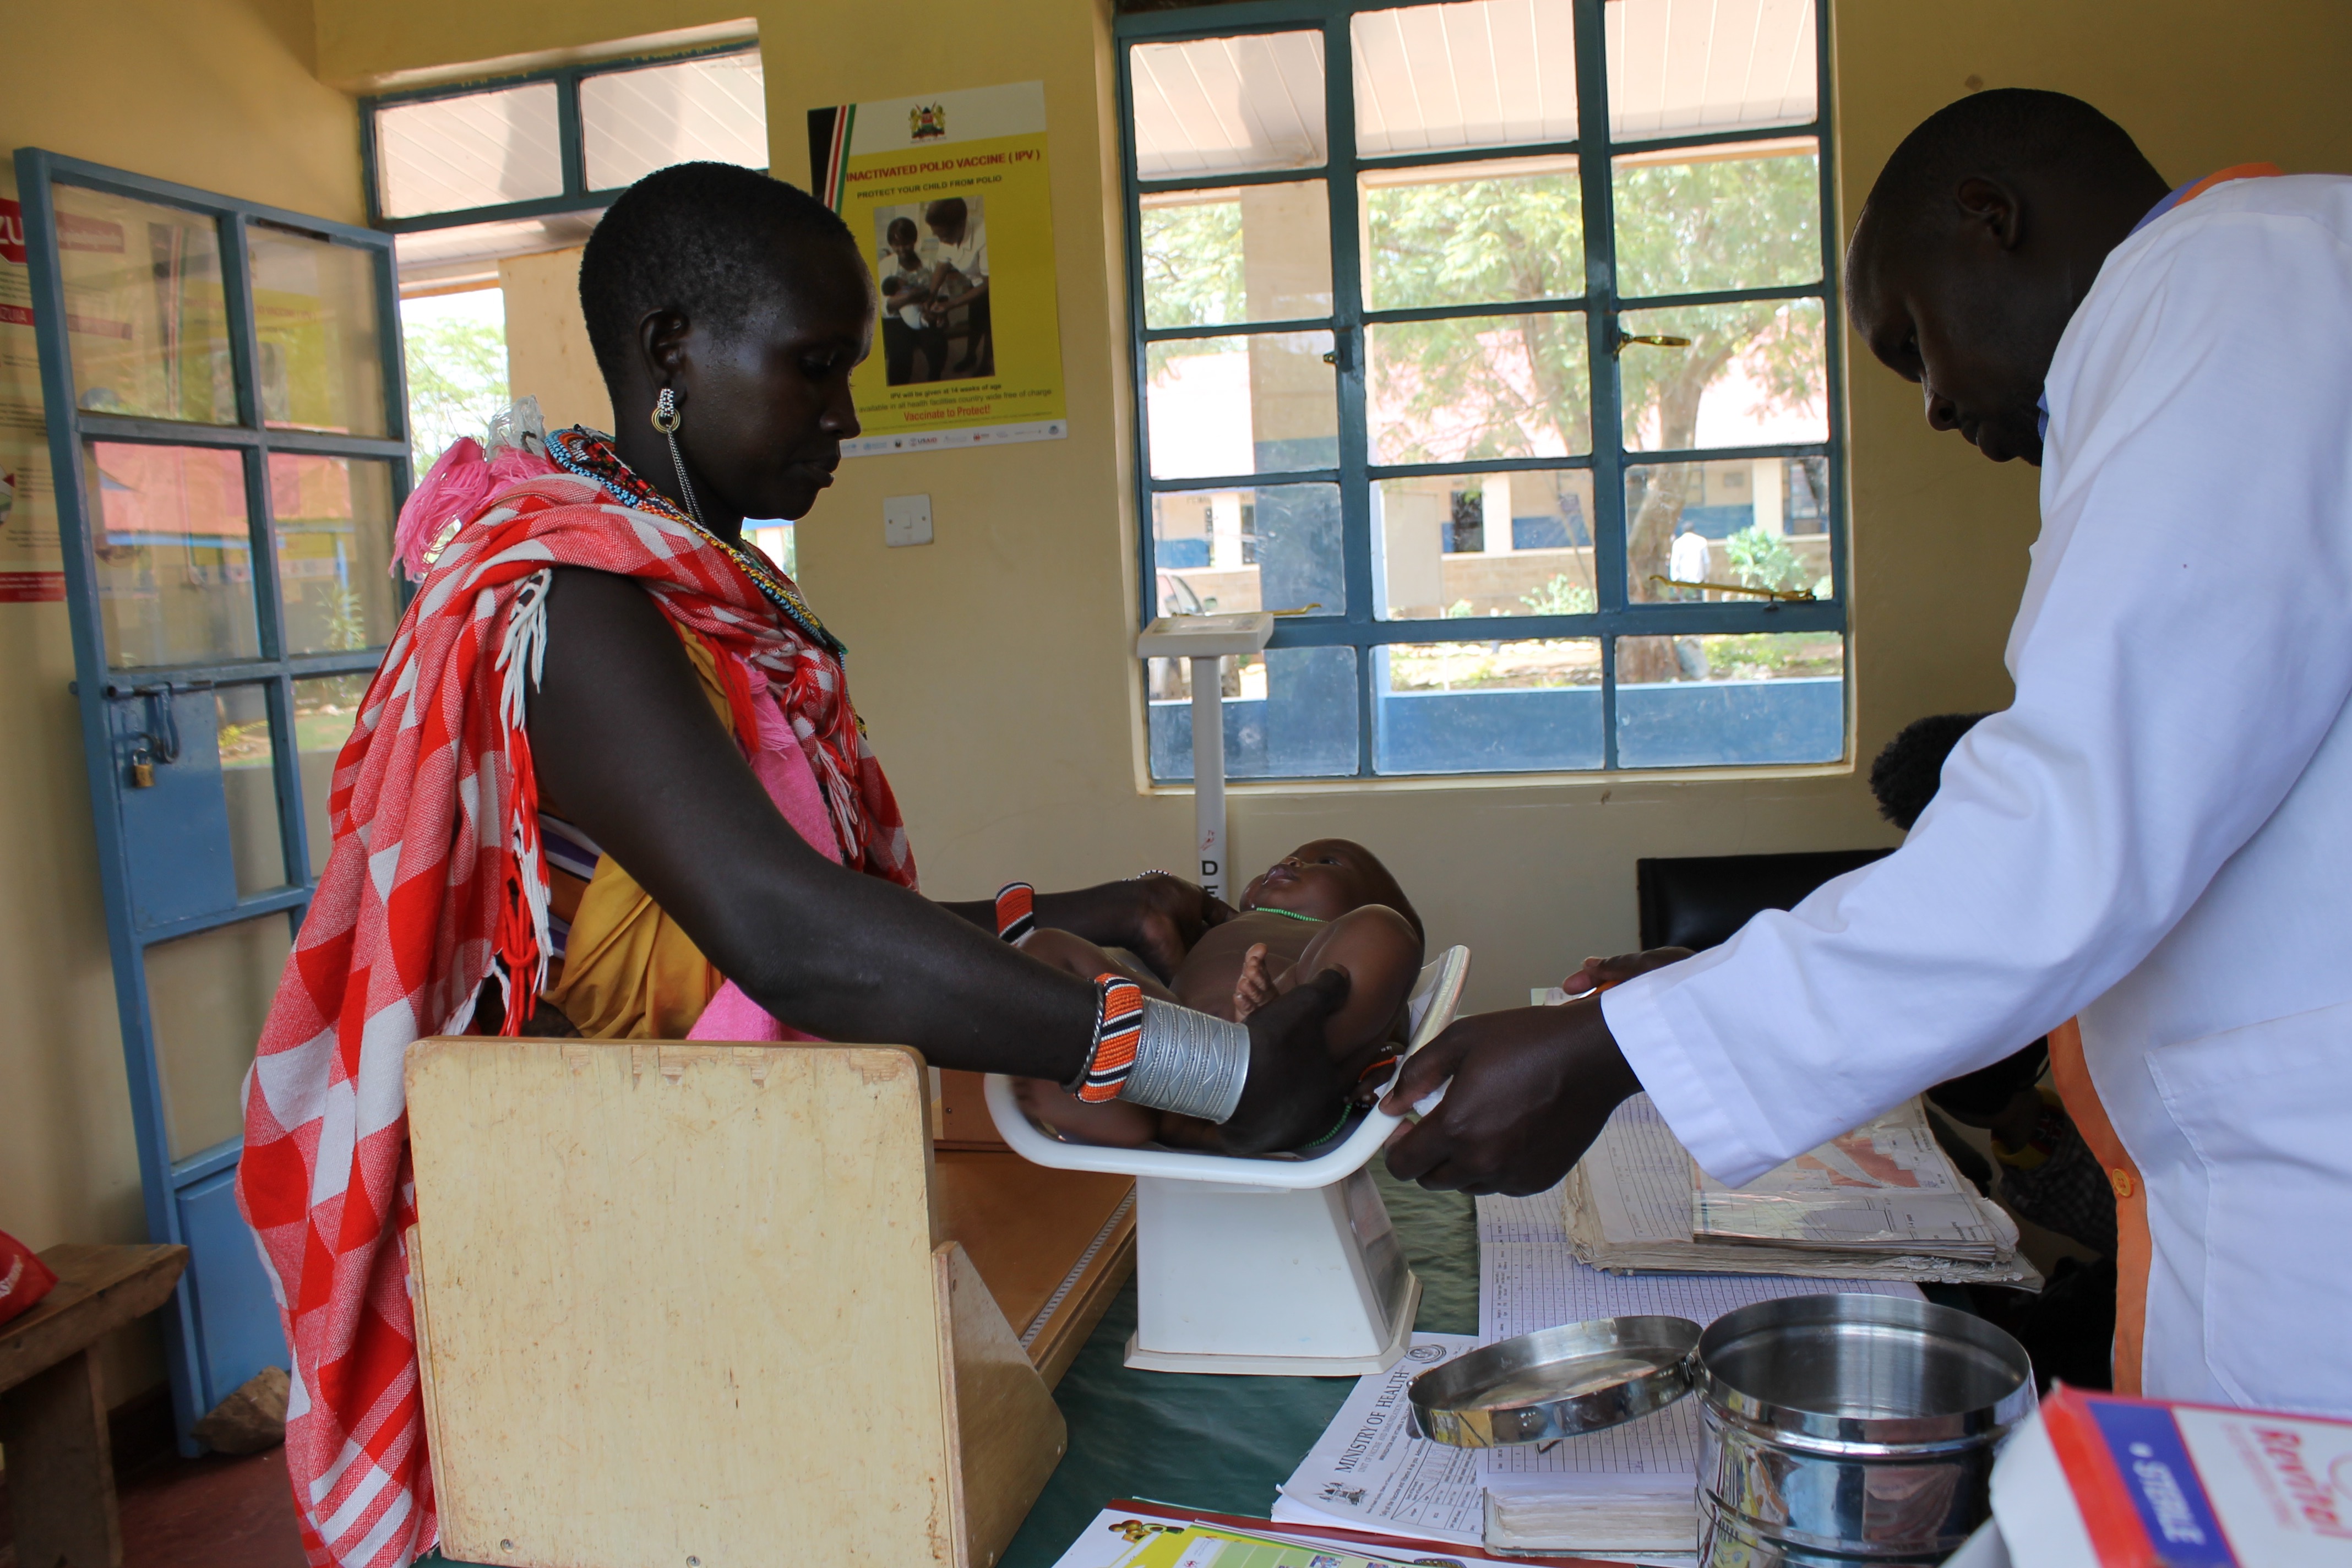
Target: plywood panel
1008	1430
682	1303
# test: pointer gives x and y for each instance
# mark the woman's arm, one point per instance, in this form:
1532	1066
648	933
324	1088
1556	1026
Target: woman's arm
623	737
1157	917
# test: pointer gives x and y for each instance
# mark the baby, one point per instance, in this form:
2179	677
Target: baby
1329	904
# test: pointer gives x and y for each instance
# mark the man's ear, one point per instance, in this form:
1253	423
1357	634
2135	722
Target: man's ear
1991	208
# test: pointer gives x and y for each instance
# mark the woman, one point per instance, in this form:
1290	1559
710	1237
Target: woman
597	674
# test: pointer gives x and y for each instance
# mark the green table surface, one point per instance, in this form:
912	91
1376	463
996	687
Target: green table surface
1223	1443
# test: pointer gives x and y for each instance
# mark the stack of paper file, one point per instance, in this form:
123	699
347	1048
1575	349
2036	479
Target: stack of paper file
1881	1203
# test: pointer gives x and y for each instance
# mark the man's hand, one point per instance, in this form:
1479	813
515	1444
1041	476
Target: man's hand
1296	1092
1531	1088
1601	973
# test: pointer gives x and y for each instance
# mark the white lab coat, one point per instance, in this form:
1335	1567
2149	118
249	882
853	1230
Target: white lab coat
2157	836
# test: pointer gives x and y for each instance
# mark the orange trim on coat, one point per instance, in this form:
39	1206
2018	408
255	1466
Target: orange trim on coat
2132	1247
2235	171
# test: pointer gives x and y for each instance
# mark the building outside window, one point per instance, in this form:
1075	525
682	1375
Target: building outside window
1450	319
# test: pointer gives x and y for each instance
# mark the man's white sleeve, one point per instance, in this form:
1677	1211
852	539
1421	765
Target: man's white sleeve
2185	646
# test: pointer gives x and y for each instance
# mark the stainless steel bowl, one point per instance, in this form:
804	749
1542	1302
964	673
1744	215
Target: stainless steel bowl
1557	1382
1848	1428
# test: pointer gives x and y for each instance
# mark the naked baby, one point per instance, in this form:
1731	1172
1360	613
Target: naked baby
1328	904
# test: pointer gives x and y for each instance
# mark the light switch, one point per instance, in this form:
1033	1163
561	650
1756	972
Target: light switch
907	519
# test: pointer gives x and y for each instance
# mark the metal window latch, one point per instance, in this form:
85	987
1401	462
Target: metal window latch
1778	596
1655	340
160	743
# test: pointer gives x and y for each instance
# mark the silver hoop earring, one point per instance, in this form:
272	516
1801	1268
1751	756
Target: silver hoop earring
667	419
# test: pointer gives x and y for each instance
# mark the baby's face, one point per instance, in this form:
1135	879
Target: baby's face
1324	879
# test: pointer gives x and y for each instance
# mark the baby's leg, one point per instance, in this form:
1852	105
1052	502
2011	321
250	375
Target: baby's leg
1381	953
1114	1122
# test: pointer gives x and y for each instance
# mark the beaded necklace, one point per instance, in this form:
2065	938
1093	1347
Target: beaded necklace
589	453
1285	914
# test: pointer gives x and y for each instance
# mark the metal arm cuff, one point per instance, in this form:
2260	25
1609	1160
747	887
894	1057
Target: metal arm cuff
1191	1063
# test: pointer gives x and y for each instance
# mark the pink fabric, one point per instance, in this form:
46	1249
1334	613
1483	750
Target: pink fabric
456	489
782	766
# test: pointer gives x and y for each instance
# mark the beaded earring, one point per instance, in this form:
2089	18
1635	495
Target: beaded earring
667	419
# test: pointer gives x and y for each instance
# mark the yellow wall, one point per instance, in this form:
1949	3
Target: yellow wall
1034	772
214	93
548	354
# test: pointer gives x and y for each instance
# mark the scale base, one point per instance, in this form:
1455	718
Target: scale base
1399	1336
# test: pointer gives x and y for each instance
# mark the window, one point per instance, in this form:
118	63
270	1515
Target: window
1493	342
468	174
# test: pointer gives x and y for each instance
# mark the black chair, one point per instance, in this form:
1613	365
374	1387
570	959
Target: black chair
1698	901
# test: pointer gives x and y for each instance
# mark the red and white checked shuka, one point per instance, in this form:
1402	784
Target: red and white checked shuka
433	885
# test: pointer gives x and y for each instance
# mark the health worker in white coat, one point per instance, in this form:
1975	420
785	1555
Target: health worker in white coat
2148	855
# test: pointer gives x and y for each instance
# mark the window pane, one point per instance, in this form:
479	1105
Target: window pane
1693	701
1755	374
776	540
448	154
1254	253
1476	707
314	306
1272	548
325	713
1223	106
1484	544
1472	234
175	554
334	521
247	778
1678	68
1489	73
633	123
146	324
1253	404
1479	386
209	994
1290	712
1753	522
467	257
1744	217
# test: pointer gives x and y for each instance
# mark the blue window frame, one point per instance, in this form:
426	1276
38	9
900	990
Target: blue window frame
1575	341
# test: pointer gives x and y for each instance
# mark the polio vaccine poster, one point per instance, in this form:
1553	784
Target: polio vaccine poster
948	195
32	564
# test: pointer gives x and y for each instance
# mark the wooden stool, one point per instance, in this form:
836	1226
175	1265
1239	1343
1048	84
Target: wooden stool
52	1411
693	1302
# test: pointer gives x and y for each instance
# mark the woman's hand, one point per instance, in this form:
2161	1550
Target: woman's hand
1157	917
1296	1092
1601	973
1531	1088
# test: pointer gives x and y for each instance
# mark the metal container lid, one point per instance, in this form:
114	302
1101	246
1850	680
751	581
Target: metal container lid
1557	1382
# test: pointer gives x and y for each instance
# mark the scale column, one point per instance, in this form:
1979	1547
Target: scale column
1209	771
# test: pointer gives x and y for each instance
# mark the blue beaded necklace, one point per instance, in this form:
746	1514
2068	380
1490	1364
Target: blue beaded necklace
589	455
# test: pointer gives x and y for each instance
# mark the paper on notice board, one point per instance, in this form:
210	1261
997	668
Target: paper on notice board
32	560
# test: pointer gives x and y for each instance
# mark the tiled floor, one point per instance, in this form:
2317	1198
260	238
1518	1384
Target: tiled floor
213	1512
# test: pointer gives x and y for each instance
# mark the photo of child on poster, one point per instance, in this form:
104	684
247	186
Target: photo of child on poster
932	262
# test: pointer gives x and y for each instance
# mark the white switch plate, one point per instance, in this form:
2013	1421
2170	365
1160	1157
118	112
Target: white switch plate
907	519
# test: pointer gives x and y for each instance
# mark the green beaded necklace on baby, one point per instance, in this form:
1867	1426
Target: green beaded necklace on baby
1285	914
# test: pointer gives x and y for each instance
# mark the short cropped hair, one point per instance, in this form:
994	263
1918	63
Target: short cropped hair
707	240
947	212
2001	132
1907	773
900	226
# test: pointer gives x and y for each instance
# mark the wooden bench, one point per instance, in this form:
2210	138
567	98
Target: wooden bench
52	1411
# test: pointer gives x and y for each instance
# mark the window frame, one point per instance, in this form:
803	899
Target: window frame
1614	615
577	195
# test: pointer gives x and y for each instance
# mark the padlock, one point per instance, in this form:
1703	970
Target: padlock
142	770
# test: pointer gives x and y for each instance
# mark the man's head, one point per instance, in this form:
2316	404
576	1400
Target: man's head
1327	877
1982	235
946	217
749	301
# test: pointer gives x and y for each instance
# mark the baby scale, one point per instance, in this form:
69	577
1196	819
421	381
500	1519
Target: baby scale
1268	1266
